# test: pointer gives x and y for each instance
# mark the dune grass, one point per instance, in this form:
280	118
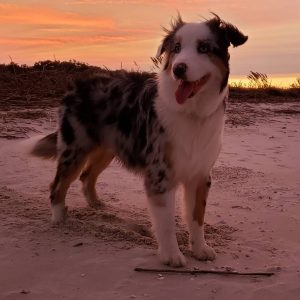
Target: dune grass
44	83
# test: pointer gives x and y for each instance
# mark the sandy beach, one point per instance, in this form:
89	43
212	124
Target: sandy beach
252	218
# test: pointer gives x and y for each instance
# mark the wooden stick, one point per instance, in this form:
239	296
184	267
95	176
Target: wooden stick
195	272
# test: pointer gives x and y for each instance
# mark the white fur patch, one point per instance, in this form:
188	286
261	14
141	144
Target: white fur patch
59	212
197	240
199	247
196	142
162	209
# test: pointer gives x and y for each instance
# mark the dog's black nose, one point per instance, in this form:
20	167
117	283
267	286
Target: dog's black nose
180	70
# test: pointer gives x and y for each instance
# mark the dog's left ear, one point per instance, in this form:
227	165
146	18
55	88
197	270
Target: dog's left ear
234	35
227	32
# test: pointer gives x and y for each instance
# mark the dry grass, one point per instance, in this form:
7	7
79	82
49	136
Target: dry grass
260	89
44	83
40	85
266	95
296	84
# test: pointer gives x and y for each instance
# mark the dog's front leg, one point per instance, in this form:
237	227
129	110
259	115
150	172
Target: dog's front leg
162	209
195	194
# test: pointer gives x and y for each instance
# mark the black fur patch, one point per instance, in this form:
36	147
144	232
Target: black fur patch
125	120
67	153
67	131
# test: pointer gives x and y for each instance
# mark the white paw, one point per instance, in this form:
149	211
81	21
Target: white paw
204	252
59	213
173	258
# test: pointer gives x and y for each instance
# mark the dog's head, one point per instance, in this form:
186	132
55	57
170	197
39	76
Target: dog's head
195	55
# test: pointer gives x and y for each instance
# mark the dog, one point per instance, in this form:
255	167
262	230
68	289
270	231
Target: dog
167	127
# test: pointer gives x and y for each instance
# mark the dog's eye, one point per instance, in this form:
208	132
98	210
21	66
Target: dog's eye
203	48
177	48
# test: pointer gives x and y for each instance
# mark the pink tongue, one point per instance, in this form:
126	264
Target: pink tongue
184	91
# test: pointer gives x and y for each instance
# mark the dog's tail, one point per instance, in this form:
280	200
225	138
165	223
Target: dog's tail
46	147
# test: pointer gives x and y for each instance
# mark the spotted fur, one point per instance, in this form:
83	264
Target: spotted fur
134	117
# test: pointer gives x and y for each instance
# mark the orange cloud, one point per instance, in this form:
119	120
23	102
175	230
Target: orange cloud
41	15
143	2
56	28
63	41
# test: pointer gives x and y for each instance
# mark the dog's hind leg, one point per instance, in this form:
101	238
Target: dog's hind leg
98	160
70	163
195	195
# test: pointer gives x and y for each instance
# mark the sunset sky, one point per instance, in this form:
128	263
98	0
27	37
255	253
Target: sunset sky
115	32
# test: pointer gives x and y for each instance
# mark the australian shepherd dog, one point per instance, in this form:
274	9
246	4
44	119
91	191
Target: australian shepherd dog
167	127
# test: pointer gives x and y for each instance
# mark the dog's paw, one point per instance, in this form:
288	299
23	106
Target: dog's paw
204	252
172	258
59	214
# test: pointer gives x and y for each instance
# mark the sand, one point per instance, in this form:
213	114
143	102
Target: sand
253	219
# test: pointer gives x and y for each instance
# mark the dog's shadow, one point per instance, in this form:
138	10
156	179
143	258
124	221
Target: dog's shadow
133	226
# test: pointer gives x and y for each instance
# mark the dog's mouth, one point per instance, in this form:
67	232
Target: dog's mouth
188	89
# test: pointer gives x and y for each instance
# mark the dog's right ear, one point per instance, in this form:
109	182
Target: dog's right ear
169	37
165	45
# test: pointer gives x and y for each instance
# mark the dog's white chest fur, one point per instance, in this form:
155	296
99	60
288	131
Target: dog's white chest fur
196	146
195	143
